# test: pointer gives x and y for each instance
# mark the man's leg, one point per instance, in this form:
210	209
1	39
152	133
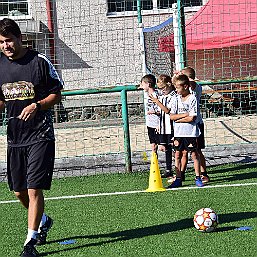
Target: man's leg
41	160
36	208
23	198
33	200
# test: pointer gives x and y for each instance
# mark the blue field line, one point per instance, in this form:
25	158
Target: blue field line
135	192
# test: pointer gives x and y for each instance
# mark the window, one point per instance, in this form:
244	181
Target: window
13	8
163	4
128	5
131	5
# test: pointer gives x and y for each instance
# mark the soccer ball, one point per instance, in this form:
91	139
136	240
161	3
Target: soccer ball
206	220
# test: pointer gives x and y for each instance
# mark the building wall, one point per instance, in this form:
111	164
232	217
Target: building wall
92	49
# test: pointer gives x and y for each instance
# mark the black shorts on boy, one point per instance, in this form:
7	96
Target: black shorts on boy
185	143
153	136
31	167
165	139
200	139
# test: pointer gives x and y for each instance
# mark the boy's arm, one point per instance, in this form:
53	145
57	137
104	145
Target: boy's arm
156	100
187	119
192	112
175	116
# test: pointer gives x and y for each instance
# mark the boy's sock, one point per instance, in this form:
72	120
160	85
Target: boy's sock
183	175
32	234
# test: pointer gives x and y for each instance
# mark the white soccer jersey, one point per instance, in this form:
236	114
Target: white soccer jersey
152	120
179	107
197	92
166	124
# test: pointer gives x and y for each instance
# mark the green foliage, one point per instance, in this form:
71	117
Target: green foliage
140	224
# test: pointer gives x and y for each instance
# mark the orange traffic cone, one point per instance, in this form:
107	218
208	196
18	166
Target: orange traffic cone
155	180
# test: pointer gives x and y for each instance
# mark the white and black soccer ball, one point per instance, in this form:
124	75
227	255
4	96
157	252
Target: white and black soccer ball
206	220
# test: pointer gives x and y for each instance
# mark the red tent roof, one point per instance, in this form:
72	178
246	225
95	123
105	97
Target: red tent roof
219	24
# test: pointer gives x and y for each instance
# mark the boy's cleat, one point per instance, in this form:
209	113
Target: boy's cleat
166	174
176	183
29	249
199	182
205	178
43	231
172	179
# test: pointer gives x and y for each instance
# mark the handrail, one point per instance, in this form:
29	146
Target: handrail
119	88
124	107
110	89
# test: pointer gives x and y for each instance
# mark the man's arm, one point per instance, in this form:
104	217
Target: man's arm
2	105
29	112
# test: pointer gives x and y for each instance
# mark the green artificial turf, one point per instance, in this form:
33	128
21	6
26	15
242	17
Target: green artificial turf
140	224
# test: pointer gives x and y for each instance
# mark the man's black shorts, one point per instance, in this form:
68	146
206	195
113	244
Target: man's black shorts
31	167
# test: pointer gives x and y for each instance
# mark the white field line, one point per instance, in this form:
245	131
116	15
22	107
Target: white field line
134	192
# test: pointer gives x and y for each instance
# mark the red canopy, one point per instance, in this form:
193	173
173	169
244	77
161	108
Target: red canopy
219	24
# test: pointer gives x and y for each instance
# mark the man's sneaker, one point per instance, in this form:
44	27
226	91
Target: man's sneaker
205	178
43	231
176	183
199	182
29	249
166	174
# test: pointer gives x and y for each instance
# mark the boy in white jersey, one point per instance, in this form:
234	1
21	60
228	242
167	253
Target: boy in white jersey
166	125
184	115
196	89
152	119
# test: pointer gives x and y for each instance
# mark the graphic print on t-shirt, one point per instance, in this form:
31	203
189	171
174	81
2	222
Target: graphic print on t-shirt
20	90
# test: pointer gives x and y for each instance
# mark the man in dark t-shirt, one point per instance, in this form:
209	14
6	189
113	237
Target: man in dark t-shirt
29	87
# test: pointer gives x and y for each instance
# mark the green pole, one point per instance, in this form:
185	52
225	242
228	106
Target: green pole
182	33
99	90
139	15
127	149
141	36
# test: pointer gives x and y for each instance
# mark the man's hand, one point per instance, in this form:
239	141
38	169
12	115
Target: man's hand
2	105
28	112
